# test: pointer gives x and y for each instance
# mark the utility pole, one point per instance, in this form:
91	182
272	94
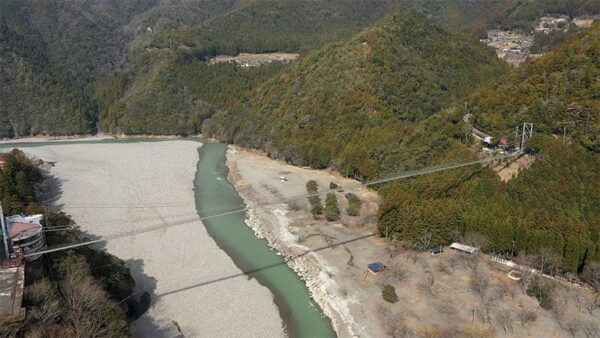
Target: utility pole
587	121
4	232
527	133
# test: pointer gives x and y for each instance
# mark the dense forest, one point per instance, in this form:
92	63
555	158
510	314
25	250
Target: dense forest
70	293
355	105
554	204
173	96
55	56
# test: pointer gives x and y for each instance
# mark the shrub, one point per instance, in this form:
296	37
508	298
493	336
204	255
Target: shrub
332	209
541	290
388	293
316	207
333	185
354	204
312	187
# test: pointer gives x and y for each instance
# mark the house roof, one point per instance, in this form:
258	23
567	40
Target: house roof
462	247
480	133
437	249
18	230
376	266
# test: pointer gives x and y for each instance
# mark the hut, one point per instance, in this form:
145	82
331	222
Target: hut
437	250
376	267
464	248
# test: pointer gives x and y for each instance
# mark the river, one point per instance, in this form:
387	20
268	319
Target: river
214	195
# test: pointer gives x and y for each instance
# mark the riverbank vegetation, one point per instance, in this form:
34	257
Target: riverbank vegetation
67	293
332	209
354	204
316	208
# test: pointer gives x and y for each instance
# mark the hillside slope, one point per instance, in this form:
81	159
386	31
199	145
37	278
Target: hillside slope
552	205
52	52
561	89
49	52
367	92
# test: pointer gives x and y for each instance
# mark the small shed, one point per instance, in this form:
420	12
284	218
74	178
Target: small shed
464	248
376	267
480	135
437	250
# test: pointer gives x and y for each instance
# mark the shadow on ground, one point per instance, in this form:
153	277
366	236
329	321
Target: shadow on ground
249	273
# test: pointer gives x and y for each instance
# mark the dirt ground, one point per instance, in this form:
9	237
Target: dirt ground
447	295
512	169
254	58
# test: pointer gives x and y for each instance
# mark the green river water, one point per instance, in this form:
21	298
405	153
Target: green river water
214	194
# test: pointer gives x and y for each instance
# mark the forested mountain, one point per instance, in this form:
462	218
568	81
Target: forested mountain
384	101
49	52
560	90
354	103
53	53
554	204
167	87
172	93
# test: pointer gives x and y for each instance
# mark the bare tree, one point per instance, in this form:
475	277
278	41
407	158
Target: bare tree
484	310
294	205
423	242
526	316
48	309
399	272
561	294
446	307
479	281
505	289
526	276
427	284
573	326
583	303
505	317
454	261
591	275
475	239
393	322
526	261
548	260
393	248
558	311
591	330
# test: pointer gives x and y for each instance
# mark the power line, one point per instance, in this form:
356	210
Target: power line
438	168
106	238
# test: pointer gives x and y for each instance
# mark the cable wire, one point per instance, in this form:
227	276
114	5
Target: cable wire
413	173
